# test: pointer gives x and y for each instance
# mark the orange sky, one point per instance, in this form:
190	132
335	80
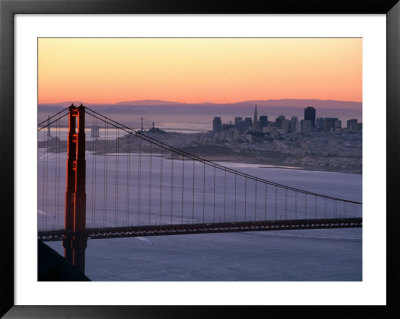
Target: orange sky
221	70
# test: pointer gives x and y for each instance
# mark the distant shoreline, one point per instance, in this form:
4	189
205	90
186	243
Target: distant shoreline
266	166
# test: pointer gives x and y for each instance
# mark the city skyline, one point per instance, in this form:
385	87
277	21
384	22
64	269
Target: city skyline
292	124
198	70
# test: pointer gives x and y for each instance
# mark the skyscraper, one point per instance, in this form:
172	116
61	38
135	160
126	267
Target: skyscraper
217	125
309	114
330	124
319	124
263	122
247	123
352	124
279	120
294	125
255	120
238	119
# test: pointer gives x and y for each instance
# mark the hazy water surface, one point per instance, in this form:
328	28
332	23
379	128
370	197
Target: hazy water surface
301	255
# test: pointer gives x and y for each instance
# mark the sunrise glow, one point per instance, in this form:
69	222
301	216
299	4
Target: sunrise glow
195	70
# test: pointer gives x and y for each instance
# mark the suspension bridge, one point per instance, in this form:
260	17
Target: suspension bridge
98	178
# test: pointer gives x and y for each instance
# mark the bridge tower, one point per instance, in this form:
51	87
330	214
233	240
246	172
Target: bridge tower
75	240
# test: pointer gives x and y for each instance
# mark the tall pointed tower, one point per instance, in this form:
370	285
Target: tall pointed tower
255	120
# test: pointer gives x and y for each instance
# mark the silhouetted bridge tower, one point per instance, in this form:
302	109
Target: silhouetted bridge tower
75	239
122	182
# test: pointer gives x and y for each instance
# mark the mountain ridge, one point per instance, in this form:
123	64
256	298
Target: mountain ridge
263	103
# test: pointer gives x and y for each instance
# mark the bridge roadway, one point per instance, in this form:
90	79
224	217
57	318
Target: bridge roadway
161	230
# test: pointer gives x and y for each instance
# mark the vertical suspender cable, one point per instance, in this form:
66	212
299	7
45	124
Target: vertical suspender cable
139	179
150	179
204	187
245	199
58	172
172	186
316	206
255	201
265	200
54	146
224	194
194	164
128	171
214	192
234	216
276	203
305	204
46	178
116	175
285	203
335	208
93	170
183	184
105	174
161	182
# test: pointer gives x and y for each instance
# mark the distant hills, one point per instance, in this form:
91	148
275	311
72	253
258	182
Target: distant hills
148	102
283	103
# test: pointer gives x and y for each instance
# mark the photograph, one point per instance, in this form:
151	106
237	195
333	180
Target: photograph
200	159
172	159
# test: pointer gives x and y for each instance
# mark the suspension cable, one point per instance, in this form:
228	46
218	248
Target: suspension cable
47	121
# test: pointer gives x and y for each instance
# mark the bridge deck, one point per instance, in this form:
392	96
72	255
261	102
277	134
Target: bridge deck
161	230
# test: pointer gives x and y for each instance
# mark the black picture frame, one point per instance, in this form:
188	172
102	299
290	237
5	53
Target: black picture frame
8	8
